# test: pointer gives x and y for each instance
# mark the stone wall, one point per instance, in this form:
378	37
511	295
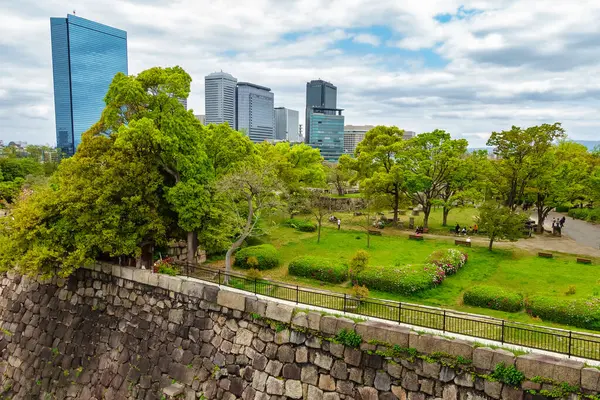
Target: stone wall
117	333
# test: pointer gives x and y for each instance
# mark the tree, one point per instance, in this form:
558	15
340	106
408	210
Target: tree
520	152
380	171
319	205
559	179
339	176
429	162
249	193
462	184
373	204
500	222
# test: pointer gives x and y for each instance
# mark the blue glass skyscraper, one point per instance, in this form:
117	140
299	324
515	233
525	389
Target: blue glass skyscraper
86	56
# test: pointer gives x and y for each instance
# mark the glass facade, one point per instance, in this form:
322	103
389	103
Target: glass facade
219	98
327	133
255	115
85	58
319	93
286	124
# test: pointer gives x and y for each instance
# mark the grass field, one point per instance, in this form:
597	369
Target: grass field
513	269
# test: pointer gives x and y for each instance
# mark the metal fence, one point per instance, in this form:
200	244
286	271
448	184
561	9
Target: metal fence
561	341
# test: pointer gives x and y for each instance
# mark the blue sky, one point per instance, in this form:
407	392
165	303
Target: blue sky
469	67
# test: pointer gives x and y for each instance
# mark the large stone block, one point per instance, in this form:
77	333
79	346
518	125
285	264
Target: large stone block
141	276
568	371
372	330
544	366
314	320
460	348
127	273
328	325
279	312
192	288
397	335
293	389
590	379
232	300
345	323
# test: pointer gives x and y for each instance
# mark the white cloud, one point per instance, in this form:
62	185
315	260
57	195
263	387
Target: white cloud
511	62
366	38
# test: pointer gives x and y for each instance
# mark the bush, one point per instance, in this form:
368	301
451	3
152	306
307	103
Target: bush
358	263
348	338
360	291
266	255
493	297
586	214
582	313
407	279
450	260
253	273
562	209
301	225
509	375
319	268
168	269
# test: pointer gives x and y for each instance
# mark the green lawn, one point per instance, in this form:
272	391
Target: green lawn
519	271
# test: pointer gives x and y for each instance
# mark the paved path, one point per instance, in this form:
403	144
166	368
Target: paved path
582	232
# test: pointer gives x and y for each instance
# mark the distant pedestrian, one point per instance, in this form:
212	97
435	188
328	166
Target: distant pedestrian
464	231
457	229
475	228
562	221
339	221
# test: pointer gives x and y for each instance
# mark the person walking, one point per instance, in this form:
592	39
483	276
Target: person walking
457	229
562	222
475	229
339	221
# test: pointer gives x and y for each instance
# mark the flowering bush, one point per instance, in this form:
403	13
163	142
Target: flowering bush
582	313
493	297
323	269
450	260
165	266
261	257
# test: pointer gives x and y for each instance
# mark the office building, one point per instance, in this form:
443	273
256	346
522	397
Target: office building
86	56
354	134
409	135
321	94
255	116
201	118
327	132
219	98
286	124
183	103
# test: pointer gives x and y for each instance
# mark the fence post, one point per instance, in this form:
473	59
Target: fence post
399	313
345	296
502	337
219	277
254	285
444	322
570	341
297	294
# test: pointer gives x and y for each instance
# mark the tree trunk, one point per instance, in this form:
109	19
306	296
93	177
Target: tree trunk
541	218
491	243
396	202
319	232
192	246
368	234
340	189
247	230
445	213
426	212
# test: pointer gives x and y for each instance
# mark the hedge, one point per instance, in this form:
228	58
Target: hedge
582	313
449	260
300	225
587	214
406	279
319	268
266	255
493	297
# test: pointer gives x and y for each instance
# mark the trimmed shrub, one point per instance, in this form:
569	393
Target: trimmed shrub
562	209
266	255
358	263
406	279
582	313
450	260
493	297
301	225
319	268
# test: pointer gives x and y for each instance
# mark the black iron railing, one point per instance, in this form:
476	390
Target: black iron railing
561	341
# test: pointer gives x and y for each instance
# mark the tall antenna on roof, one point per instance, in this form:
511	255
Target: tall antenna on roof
74	13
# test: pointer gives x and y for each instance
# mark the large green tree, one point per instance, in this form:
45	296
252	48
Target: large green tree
380	170
500	222
430	165
521	153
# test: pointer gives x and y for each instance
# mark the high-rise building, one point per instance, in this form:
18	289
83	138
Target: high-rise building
320	94
286	124
86	56
219	98
354	134
201	118
255	115
183	103
327	132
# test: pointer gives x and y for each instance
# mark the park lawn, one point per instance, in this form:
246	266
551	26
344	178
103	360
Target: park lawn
515	269
347	195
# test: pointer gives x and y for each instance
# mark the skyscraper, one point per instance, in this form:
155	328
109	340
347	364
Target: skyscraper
327	132
319	93
86	56
255	115
219	98
286	124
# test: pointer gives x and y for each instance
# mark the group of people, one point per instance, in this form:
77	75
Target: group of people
335	219
472	229
557	225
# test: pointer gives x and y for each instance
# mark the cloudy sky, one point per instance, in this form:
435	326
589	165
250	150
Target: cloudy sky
469	67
